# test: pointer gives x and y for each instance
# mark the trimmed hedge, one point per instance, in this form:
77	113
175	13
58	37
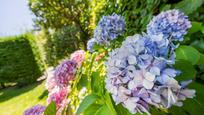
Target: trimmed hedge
19	60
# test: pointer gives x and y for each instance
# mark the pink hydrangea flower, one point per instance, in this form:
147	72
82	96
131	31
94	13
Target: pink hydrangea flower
50	82
65	72
59	96
78	56
35	110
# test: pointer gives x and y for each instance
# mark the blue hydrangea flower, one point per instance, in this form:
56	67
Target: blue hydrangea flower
160	47
109	28
137	77
90	44
173	24
131	75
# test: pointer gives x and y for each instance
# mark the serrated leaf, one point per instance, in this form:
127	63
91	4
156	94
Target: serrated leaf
188	53
187	70
189	6
87	101
50	109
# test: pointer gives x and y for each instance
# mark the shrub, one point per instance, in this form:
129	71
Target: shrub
17	61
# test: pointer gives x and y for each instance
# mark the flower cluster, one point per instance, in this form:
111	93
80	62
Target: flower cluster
78	57
35	110
108	29
140	73
58	84
65	72
58	81
172	24
59	96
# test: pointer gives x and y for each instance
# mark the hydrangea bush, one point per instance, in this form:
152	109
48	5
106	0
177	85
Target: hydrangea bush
137	76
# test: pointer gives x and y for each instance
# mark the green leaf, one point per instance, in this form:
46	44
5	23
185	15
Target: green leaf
187	70
50	109
97	83
156	111
195	106
199	45
165	7
123	111
189	6
91	110
202	29
188	53
196	26
201	60
103	110
87	101
110	104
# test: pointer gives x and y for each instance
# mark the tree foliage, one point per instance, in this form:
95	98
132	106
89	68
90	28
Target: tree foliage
57	14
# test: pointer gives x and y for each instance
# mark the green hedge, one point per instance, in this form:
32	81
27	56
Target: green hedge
19	60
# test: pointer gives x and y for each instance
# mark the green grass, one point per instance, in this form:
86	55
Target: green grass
14	100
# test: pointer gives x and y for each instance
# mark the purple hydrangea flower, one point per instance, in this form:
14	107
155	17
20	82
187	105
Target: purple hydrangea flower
65	72
131	74
137	77
35	110
109	28
173	24
173	94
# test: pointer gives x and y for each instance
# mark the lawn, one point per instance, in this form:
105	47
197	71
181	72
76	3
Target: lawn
14	100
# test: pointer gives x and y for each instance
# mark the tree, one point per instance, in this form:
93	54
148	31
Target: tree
56	14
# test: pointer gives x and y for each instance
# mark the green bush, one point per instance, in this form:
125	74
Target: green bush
18	62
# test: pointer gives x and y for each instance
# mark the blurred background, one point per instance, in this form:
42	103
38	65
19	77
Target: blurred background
36	34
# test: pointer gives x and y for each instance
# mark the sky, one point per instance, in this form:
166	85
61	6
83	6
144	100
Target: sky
15	17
